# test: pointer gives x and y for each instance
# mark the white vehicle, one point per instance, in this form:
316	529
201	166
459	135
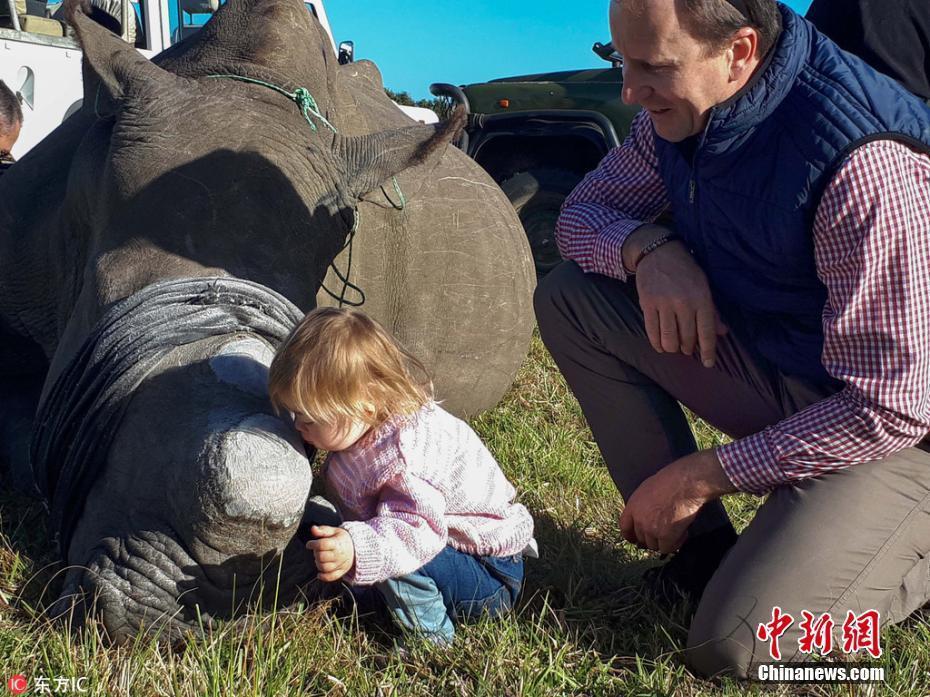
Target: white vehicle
41	59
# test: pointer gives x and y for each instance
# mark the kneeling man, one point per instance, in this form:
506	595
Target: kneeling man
788	304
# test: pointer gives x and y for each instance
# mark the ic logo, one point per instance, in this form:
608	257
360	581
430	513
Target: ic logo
17	684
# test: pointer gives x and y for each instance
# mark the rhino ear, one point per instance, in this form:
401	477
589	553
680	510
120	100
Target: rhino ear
111	67
373	158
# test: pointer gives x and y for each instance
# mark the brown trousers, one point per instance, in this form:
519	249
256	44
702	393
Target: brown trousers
857	539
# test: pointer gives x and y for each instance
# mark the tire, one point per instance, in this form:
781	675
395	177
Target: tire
537	196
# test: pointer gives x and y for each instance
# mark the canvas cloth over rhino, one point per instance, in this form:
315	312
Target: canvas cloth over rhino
80	415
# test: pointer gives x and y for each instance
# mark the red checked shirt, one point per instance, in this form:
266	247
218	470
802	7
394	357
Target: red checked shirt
872	250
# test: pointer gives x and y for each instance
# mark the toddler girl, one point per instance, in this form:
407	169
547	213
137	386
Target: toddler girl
429	518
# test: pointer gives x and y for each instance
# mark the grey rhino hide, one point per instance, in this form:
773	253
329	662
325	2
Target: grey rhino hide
456	251
451	274
161	148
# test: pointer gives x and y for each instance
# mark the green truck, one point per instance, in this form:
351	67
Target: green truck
537	136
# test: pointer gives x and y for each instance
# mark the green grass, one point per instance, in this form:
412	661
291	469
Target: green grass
582	628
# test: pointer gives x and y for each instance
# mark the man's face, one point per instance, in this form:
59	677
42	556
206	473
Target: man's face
665	69
8	138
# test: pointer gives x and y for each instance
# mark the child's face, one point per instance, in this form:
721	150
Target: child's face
330	437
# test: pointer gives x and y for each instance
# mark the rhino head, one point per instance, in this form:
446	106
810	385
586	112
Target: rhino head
210	154
182	175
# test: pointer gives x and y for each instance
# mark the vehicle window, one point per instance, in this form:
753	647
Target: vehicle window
141	41
185	17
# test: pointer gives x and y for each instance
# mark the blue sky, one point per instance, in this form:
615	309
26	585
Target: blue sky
417	42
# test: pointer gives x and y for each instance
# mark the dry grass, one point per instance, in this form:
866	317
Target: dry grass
583	627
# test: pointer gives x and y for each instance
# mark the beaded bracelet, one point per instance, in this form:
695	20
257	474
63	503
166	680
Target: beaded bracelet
653	246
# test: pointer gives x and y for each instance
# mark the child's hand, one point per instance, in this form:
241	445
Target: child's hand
333	552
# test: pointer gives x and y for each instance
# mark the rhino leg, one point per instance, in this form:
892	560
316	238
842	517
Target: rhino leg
203	492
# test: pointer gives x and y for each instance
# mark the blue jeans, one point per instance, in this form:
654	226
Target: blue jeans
452	586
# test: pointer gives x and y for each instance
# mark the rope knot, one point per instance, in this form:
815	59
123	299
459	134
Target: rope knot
304	99
307	104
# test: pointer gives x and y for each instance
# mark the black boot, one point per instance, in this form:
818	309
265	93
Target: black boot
688	572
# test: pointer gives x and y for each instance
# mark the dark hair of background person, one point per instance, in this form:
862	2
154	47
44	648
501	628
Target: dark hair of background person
714	21
893	36
10	110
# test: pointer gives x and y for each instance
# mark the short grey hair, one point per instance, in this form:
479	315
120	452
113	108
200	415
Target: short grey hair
713	22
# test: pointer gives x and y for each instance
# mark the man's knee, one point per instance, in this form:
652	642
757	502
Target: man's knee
549	300
715	651
722	640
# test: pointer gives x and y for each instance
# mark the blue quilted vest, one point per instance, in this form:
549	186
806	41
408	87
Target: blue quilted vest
745	191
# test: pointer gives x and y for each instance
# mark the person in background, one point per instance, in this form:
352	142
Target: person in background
430	520
788	304
11	121
893	36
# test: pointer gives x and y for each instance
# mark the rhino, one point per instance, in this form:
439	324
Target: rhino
156	248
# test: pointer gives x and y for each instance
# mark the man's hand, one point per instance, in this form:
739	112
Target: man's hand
659	512
675	297
333	552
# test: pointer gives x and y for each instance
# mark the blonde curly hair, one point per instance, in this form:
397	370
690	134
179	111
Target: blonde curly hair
340	365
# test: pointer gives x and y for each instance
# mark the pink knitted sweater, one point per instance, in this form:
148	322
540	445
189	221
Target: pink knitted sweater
416	484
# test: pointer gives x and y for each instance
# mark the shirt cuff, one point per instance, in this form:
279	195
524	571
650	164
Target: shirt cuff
369	561
750	464
608	248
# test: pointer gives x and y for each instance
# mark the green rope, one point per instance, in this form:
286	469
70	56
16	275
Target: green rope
301	96
400	194
97	101
308	106
346	283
